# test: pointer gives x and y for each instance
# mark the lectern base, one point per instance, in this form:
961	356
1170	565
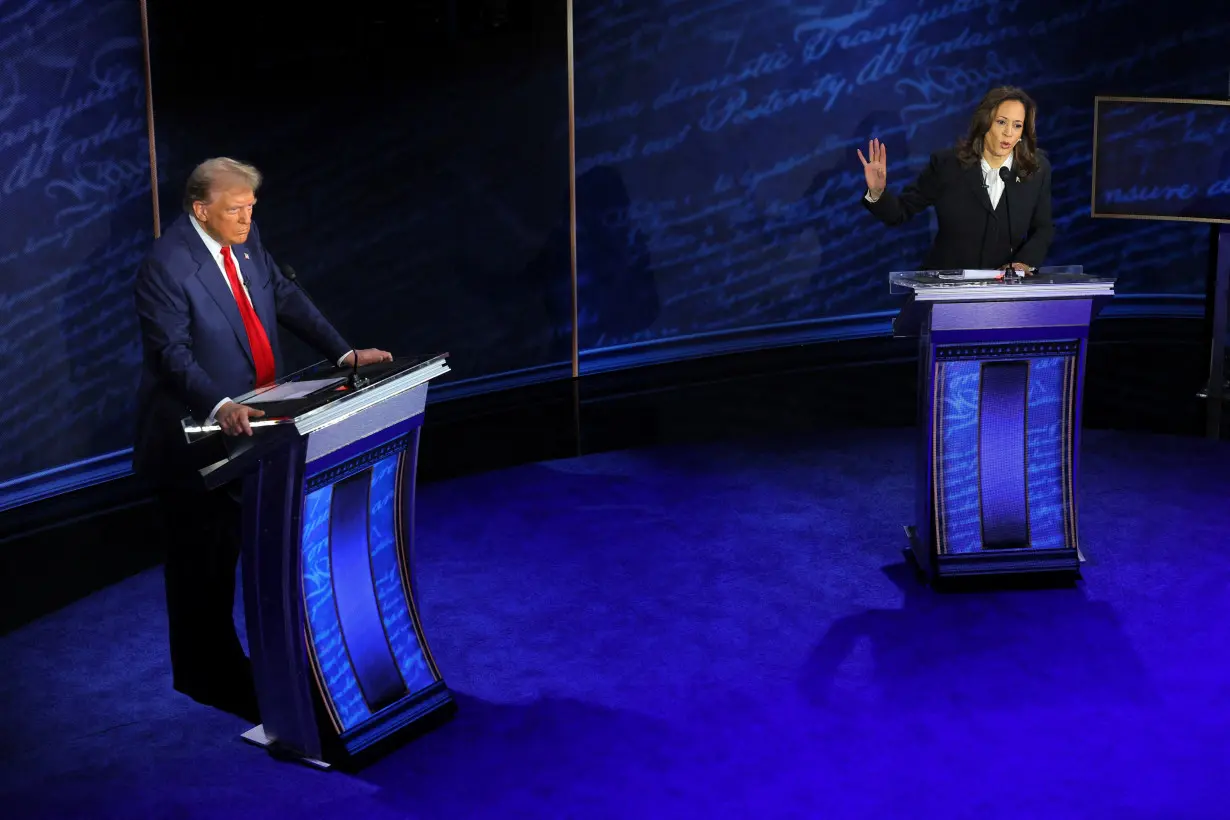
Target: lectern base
257	737
989	562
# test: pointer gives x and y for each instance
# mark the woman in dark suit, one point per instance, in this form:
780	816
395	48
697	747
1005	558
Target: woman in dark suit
991	193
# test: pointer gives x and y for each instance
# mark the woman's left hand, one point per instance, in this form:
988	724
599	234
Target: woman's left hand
1019	267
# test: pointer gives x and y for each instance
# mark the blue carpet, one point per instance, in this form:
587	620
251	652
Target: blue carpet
708	631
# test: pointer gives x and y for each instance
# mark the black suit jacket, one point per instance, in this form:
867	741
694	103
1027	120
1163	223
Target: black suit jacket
971	234
195	349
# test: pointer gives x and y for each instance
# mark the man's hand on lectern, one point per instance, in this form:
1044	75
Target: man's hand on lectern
369	356
233	418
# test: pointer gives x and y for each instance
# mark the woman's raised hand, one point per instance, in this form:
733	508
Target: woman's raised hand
875	168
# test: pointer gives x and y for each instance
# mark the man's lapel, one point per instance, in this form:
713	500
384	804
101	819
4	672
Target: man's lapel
215	284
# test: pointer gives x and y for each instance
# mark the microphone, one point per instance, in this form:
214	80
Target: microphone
1005	174
354	380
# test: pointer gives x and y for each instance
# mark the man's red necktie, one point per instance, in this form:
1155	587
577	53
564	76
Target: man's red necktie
262	353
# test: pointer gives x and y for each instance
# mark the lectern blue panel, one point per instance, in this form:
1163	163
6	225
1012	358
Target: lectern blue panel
1001	454
1051	384
391	591
337	676
365	649
1003	469
354	590
957	384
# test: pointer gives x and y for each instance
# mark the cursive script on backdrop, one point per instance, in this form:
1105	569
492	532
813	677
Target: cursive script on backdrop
75	202
731	128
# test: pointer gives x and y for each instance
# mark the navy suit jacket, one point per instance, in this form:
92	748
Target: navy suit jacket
965	218
195	349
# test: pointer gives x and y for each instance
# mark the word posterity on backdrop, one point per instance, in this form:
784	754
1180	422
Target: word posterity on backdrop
1163	159
75	203
717	179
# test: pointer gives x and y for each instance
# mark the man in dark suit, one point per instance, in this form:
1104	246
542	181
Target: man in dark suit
991	193
209	298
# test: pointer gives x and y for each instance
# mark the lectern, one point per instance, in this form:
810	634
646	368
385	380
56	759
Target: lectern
339	654
1001	364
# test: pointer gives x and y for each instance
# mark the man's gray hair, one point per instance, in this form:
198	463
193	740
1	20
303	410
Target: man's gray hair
205	177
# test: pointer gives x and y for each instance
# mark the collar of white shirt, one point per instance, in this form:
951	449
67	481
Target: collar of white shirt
215	250
211	244
988	172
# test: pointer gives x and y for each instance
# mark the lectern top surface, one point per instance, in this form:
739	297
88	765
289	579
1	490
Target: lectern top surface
327	383
307	393
943	285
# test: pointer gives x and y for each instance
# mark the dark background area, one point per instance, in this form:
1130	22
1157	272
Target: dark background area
417	173
415	159
416	166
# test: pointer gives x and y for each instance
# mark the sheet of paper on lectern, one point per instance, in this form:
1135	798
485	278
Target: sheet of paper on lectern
292	390
972	274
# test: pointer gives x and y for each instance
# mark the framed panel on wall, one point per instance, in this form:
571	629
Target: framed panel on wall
1161	159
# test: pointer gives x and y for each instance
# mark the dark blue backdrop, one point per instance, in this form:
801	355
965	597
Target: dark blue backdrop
416	167
76	211
717	174
417	176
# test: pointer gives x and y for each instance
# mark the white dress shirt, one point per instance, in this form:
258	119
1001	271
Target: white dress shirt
215	250
990	177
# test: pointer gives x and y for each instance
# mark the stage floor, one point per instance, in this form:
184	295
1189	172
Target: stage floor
721	630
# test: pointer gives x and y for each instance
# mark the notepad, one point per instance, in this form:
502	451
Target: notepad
970	274
292	390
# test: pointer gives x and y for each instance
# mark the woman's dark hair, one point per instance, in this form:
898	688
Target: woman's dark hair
1025	153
